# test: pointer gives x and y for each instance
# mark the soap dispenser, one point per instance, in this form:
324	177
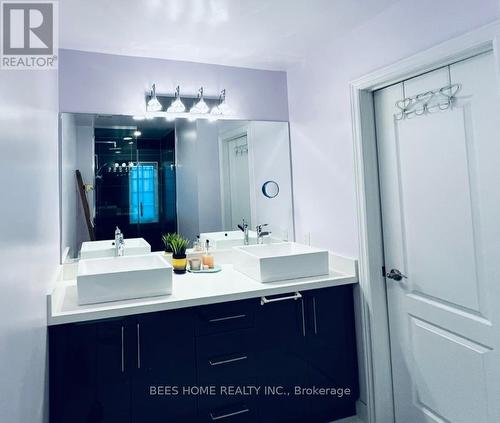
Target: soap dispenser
197	247
207	258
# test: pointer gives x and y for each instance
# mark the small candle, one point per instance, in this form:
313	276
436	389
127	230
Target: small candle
195	263
208	260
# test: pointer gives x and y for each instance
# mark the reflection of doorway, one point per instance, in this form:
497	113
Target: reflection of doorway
235	170
143	193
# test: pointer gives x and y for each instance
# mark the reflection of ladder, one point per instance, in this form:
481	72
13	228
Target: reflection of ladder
85	204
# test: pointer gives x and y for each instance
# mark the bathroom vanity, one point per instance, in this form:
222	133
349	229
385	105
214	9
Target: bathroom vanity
222	347
269	338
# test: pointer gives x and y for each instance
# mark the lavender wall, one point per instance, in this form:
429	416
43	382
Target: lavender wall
104	83
29	238
319	103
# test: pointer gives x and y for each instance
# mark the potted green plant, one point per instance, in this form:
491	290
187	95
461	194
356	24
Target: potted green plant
179	245
166	238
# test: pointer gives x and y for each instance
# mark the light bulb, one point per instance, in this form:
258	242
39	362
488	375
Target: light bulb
177	105
200	107
222	108
153	104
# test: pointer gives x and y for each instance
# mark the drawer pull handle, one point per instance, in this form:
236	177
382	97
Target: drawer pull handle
229	360
123	349
225	416
315	318
264	300
221	319
303	317
138	346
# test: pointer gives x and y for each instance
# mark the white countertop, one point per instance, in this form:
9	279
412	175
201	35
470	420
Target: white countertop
192	290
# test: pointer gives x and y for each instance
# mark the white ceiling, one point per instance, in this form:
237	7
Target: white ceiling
265	34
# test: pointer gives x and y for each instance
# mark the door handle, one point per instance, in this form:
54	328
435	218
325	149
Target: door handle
221	319
138	346
123	350
264	300
396	275
216	417
315	316
141	208
303	317
228	360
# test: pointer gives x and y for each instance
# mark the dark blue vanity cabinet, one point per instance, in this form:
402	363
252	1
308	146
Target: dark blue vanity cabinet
240	361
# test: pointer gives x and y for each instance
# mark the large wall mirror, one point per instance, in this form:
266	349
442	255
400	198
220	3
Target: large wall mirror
151	177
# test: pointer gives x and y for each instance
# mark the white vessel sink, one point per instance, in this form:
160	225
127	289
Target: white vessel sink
226	240
96	249
122	278
277	262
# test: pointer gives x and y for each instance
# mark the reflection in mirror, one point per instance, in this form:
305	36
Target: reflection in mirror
152	177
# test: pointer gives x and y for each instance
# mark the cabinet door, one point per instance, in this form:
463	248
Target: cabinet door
163	356
331	351
113	368
281	330
72	365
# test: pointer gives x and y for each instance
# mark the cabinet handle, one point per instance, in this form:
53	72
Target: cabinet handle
303	317
220	319
229	360
225	416
264	300
315	319
138	346
123	349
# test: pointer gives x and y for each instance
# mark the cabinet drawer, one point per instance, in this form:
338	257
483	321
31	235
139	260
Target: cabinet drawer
227	358
218	318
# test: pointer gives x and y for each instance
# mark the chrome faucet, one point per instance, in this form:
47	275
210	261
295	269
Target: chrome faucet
244	228
119	242
261	234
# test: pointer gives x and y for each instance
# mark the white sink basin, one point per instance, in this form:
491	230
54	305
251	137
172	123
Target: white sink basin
277	262
96	249
122	278
225	240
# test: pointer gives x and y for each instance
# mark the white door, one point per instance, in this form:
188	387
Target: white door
440	195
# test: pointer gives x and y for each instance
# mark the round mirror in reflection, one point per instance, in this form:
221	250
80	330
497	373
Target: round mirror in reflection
270	189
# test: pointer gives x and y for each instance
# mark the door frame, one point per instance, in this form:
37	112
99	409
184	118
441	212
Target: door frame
374	307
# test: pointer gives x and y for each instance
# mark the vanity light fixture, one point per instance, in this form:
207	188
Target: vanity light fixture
137	133
200	107
177	105
153	104
222	108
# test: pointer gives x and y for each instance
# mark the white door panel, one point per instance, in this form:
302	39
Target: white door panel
437	208
440	198
458	395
